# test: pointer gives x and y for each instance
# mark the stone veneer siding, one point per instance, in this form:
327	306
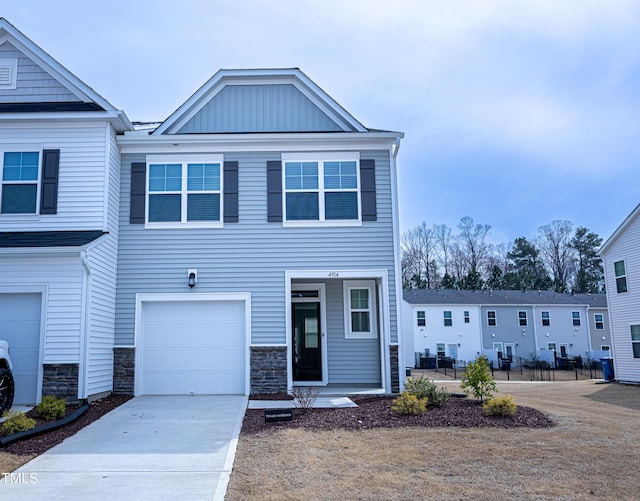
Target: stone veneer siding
61	381
395	369
268	369
124	368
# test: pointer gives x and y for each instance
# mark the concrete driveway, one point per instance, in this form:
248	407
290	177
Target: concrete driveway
152	448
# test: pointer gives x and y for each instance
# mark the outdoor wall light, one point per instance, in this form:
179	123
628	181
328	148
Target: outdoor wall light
493	335
604	337
192	278
547	334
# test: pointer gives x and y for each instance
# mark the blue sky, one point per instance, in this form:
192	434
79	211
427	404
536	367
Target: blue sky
515	112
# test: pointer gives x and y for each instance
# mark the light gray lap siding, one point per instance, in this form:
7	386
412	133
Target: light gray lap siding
251	255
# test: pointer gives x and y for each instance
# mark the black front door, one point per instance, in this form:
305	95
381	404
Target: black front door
307	345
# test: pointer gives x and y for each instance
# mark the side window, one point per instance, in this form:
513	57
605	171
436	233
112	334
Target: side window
466	317
546	320
621	276
20	182
448	320
635	340
360	313
491	318
422	318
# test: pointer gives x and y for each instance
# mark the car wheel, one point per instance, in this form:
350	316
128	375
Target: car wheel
6	389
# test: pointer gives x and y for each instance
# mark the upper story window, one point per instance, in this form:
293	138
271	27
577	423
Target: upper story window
184	191
422	318
546	319
466	317
575	316
448	320
491	318
20	182
360	314
522	318
321	188
621	276
598	318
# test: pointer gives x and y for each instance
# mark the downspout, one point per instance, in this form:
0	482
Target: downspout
394	149
84	326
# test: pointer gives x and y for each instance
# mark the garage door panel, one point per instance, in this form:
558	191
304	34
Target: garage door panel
197	347
20	327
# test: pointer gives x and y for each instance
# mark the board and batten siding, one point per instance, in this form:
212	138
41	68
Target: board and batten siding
624	308
251	255
260	108
61	280
82	181
33	84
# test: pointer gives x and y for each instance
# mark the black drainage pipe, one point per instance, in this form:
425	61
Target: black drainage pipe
47	426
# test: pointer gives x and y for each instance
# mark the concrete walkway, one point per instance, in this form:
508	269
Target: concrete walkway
149	448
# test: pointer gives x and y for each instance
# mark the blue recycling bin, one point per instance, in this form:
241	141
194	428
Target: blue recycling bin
607	368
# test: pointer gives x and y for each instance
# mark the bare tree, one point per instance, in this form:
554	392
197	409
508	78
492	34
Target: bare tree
472	239
419	256
554	244
444	241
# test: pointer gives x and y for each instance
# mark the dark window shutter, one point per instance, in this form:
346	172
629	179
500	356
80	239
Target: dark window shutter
138	188
49	185
230	192
274	191
368	190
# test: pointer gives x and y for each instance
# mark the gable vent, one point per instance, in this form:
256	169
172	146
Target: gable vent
8	71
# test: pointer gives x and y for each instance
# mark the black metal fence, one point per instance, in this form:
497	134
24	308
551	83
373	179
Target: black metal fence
522	369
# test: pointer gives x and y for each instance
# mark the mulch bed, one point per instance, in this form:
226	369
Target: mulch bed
375	412
40	443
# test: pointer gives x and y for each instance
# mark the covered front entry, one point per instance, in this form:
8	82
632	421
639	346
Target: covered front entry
337	326
20	326
191	344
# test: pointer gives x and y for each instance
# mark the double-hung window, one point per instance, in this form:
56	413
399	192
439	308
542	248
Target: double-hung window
448	320
635	340
184	191
20	182
621	276
466	317
491	318
598	319
422	318
359	309
575	317
546	319
321	188
522	318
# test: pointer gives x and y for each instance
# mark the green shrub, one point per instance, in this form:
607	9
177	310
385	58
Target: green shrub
409	404
424	388
51	408
500	406
16	422
477	378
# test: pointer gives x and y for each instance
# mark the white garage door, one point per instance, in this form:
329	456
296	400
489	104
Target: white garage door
20	327
194	347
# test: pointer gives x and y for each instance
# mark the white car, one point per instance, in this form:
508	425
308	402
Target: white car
6	378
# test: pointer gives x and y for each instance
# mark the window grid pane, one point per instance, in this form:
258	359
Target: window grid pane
203	177
165	177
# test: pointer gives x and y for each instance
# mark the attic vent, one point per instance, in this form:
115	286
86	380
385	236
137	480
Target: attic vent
8	73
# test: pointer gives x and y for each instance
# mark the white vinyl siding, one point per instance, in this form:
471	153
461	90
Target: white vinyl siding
82	189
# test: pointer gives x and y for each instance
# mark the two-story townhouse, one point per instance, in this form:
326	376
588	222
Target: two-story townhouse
515	324
59	185
258	244
621	261
442	323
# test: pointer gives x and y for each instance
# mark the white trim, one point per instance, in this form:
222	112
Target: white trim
142	298
322	299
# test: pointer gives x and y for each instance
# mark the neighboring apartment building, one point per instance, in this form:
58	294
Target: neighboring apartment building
249	243
505	324
621	261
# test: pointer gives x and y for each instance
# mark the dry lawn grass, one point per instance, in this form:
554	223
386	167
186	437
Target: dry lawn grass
592	453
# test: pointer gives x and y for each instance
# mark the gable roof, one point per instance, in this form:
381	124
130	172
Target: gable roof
620	230
87	98
501	297
336	118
